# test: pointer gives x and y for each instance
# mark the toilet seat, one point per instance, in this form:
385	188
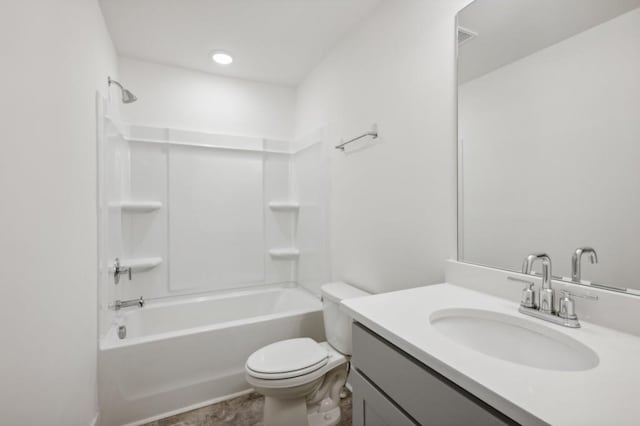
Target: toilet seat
334	359
287	359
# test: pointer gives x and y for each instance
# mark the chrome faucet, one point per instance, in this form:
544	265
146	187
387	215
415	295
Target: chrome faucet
544	307
576	262
118	270
546	293
119	304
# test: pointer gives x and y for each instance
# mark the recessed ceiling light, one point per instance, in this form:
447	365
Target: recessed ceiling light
221	58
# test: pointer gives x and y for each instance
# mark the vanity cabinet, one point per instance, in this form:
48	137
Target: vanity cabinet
392	388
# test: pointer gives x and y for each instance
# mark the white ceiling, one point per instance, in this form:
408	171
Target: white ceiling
512	29
275	41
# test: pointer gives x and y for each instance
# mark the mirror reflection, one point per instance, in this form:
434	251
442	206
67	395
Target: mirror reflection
549	136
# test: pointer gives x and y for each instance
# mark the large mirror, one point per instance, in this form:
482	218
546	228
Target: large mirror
549	136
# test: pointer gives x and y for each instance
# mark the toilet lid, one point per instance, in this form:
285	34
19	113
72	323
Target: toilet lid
288	358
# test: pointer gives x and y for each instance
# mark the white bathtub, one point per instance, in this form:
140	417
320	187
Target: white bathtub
183	354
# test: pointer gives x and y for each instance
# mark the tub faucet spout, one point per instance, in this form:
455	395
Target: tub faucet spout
119	304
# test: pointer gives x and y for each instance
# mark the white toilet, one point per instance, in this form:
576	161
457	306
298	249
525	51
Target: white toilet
302	379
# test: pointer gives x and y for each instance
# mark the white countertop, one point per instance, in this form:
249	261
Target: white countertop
608	394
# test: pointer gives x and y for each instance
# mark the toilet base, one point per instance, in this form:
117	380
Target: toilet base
293	412
284	412
328	418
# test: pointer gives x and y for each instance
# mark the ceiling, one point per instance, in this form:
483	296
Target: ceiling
509	30
275	41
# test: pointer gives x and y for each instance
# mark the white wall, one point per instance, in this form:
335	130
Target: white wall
55	56
392	204
183	99
551	155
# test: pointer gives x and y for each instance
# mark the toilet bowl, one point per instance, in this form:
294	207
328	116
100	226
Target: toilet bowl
302	379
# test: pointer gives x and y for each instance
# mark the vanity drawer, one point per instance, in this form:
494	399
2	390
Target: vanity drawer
372	408
425	395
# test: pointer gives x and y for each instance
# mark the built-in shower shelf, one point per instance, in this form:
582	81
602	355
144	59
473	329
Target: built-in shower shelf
141	263
284	206
284	253
140	206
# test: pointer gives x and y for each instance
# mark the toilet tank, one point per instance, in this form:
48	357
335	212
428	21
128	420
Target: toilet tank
337	324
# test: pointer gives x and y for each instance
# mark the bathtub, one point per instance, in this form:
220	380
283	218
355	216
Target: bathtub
184	354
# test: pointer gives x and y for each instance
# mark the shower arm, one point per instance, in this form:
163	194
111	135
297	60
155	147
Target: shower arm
127	96
117	83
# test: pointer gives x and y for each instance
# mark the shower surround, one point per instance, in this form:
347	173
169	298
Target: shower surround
226	239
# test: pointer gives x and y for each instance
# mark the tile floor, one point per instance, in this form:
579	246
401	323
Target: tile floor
244	410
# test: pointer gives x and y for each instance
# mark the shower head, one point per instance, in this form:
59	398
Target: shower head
127	96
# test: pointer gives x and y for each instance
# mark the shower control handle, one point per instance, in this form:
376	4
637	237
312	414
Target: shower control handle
118	270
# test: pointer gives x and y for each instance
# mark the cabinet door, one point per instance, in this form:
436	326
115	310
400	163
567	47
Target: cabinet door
372	408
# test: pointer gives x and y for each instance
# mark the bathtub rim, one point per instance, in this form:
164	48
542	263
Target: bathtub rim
110	340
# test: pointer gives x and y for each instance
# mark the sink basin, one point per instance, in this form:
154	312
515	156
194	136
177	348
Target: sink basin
514	339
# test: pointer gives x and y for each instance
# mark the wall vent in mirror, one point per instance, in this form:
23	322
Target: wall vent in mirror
464	35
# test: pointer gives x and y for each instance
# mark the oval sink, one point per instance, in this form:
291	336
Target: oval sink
514	339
